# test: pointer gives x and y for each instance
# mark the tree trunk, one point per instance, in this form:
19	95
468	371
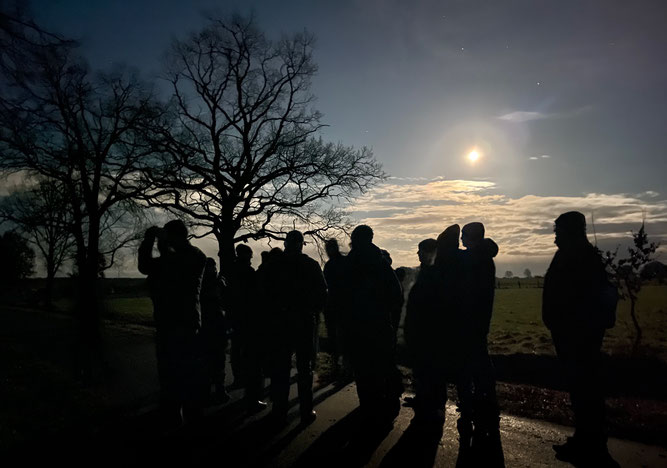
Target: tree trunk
226	252
50	278
638	330
88	307
48	293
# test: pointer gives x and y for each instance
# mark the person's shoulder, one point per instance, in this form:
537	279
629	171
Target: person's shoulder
595	257
196	253
311	262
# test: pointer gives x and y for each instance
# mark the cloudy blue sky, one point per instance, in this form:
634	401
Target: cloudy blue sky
563	101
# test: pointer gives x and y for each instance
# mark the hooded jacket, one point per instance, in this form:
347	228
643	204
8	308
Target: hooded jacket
480	281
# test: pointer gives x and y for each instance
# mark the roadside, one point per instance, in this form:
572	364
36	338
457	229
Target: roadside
37	349
47	397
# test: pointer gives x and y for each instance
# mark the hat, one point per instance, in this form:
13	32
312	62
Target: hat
449	238
474	231
571	221
362	234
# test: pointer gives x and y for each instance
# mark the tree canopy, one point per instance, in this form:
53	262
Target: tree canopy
239	152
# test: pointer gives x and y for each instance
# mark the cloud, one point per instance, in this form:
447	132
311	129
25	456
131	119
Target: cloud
404	214
533	158
12	181
523	116
545	156
527	116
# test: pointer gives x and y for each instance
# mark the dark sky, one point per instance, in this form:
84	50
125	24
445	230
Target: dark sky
560	98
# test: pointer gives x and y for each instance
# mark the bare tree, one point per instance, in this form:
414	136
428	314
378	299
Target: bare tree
627	274
527	273
17	260
240	156
59	121
41	212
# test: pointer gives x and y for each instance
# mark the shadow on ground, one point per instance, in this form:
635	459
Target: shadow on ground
622	376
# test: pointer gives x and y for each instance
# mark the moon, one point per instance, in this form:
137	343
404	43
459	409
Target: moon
473	156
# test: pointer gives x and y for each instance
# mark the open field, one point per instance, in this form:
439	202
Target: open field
530	381
516	326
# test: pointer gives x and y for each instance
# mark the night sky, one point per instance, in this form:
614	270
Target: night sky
563	101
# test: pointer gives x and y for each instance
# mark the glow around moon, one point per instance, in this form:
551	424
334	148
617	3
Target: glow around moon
473	156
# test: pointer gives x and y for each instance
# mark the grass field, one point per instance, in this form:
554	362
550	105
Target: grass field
516	326
529	383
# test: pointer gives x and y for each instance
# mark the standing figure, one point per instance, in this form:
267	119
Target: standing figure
241	283
175	281
573	310
373	292
423	332
480	283
295	283
398	307
214	331
247	330
334	274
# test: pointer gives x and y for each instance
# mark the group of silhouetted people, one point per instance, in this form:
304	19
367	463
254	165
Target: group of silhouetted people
270	316
446	327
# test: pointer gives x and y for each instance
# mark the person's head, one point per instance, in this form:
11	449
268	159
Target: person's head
294	242
472	235
448	240
210	267
361	236
176	234
243	253
570	229
426	251
387	256
331	246
274	254
401	273
265	255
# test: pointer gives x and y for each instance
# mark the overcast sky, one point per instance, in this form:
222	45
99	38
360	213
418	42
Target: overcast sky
564	102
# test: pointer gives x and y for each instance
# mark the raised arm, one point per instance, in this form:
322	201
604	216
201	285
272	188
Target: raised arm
146	260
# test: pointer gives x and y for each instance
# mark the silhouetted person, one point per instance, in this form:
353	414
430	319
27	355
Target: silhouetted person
248	343
264	255
372	292
401	273
480	273
334	274
423	329
241	284
214	331
175	282
295	283
398	307
572	310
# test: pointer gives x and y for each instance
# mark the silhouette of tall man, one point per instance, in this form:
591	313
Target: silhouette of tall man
248	340
423	329
214	331
175	281
296	283
334	274
572	310
372	292
480	279
242	285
